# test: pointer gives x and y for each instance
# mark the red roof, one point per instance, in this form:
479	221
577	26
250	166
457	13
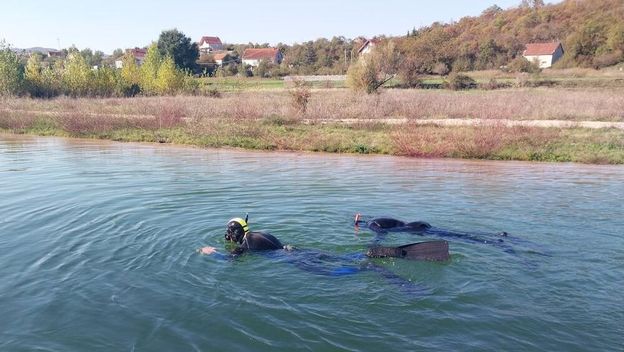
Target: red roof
210	40
219	56
535	49
137	52
259	54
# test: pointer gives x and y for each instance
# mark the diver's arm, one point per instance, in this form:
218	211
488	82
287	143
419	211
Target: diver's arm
213	252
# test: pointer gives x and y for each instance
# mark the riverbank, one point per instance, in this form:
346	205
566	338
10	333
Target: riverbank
515	124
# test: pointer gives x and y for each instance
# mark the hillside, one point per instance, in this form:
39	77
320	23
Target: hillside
591	31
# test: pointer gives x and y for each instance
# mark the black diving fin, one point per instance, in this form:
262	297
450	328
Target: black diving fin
437	251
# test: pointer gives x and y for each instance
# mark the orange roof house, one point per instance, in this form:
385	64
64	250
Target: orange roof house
544	54
253	57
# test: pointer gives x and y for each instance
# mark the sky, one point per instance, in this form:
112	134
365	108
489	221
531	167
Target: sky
112	24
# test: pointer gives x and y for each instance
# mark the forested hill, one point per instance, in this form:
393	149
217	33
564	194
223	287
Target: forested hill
591	31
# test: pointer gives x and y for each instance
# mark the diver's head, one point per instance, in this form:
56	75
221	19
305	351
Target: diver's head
236	230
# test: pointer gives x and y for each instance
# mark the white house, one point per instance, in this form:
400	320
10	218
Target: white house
544	54
368	46
208	44
253	57
137	53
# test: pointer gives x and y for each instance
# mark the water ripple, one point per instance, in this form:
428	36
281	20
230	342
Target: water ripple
99	240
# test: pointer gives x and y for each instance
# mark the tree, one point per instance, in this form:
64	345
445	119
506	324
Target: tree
117	53
130	71
11	72
170	80
77	75
374	69
149	70
178	46
263	69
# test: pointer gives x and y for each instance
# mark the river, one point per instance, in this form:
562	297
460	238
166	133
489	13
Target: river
98	248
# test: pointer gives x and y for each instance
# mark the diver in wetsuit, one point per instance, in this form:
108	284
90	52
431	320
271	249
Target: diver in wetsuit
237	231
383	226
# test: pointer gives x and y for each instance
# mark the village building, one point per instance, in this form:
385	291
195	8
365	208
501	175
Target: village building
137	53
368	46
544	54
54	53
219	57
209	44
252	57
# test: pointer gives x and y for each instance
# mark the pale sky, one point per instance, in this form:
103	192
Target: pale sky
110	24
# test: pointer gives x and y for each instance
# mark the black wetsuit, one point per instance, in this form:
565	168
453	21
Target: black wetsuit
258	241
389	224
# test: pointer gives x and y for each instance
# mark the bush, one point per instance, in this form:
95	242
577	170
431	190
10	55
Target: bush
459	82
608	59
362	77
493	84
521	64
372	70
300	96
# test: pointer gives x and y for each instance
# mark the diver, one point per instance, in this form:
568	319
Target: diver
384	225
237	231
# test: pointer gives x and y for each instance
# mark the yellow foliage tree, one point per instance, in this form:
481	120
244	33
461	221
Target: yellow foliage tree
149	70
169	80
77	75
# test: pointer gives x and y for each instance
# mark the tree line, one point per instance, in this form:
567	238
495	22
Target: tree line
591	31
76	75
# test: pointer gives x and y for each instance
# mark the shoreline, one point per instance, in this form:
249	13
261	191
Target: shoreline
483	125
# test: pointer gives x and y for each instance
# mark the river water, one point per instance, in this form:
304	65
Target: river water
98	252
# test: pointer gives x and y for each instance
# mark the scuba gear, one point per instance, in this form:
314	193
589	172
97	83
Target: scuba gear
236	230
431	251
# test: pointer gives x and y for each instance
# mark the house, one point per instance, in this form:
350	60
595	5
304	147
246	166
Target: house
253	57
54	53
368	46
208	44
219	57
137	53
544	54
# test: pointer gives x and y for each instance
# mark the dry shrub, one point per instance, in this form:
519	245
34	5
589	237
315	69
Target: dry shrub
421	141
170	113
13	121
493	84
300	95
79	123
481	141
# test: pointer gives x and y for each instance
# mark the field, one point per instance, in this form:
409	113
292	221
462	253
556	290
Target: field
506	124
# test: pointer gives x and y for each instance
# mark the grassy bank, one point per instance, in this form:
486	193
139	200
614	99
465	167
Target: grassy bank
267	121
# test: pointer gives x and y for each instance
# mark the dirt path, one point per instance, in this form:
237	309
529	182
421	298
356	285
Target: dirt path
390	121
482	122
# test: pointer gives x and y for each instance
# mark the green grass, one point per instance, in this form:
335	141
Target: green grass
234	84
275	133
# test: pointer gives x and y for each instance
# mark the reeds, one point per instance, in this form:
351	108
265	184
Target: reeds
336	104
